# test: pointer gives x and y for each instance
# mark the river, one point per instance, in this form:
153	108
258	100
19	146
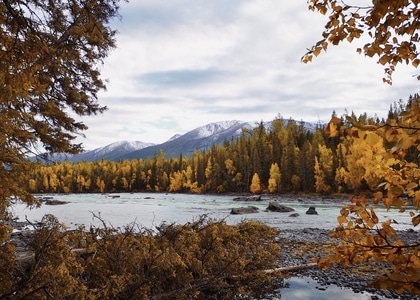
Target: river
151	209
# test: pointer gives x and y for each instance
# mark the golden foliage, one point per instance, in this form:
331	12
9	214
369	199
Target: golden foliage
391	26
255	186
364	236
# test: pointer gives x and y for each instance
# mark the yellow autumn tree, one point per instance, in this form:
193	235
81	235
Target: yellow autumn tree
320	182
275	177
255	186
323	169
365	162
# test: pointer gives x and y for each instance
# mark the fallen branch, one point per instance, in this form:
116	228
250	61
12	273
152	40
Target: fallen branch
292	268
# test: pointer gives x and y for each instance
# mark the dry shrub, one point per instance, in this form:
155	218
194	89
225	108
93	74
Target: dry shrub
204	259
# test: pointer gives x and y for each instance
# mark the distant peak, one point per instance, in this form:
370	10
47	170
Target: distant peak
174	137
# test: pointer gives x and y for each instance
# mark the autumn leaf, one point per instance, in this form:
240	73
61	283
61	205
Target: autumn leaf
342	219
416	220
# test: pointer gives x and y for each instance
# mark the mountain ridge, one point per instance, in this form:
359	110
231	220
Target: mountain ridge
198	139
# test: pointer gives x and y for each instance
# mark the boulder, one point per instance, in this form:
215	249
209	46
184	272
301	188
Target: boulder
244	210
311	211
248	198
294	215
277	207
54	202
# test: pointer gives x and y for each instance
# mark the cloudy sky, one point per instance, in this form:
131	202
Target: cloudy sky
181	64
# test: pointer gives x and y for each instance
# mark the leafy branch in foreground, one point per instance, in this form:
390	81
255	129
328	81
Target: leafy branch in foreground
391	26
363	235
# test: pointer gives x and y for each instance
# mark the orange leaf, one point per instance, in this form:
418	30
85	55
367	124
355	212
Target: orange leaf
341	219
416	220
316	51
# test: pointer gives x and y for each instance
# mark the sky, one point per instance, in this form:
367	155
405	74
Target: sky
182	64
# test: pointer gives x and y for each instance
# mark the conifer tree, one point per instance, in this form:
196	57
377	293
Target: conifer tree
49	56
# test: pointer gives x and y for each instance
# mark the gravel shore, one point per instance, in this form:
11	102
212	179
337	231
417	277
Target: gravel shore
299	246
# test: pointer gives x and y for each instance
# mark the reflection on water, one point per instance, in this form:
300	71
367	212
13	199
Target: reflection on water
307	288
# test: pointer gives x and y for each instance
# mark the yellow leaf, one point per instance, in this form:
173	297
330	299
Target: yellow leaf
387	202
307	58
398	202
384	60
316	51
341	219
378	196
395	191
374	217
417	200
411	186
416	220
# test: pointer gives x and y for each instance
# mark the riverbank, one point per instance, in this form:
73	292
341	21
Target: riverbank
300	246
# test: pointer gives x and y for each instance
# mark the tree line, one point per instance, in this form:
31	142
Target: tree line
281	157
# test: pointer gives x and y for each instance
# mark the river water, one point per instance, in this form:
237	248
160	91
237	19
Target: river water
152	209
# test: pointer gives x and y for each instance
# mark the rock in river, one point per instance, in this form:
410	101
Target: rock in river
244	210
275	206
248	198
311	211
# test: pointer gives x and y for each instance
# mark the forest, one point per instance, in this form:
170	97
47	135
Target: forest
281	158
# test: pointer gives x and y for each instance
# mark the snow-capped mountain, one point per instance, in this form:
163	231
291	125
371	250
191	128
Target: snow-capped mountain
113	151
214	129
119	147
199	139
109	152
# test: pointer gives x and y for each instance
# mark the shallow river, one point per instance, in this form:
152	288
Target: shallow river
151	209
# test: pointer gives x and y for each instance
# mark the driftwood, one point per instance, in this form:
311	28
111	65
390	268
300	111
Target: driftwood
292	268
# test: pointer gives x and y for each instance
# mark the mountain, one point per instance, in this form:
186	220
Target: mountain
109	152
198	139
113	151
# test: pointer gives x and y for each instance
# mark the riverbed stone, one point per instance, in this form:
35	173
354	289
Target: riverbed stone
311	211
244	210
277	207
248	198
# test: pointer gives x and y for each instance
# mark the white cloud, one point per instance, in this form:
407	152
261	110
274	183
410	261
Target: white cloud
182	64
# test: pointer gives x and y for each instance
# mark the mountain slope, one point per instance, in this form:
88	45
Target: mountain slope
108	152
113	151
198	139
